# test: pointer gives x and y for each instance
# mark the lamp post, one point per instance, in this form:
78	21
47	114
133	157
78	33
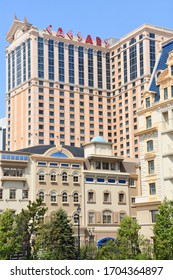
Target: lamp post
78	211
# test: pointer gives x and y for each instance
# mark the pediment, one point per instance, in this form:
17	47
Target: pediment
17	29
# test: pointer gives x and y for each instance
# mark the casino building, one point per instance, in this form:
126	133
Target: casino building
63	89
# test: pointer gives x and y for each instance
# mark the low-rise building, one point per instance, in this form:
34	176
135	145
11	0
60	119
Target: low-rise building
67	177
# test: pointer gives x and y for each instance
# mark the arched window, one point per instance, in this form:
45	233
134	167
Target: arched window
41	195
64	176
107	217
75	218
149	145
41	176
75	197
75	177
53	196
64	197
53	176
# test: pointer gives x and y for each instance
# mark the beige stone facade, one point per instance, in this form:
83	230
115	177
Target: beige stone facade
67	90
155	137
66	177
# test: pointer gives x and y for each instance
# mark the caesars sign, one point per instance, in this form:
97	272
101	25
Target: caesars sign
88	39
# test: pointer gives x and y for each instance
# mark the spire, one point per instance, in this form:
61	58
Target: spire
25	20
15	17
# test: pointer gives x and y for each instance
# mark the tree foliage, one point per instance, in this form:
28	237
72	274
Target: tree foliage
129	244
163	232
8	235
55	240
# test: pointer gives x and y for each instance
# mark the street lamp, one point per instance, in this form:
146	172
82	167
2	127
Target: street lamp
78	211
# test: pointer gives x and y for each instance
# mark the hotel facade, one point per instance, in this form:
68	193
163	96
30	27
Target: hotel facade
156	141
65	89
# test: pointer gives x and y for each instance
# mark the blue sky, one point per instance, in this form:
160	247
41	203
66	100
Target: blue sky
108	18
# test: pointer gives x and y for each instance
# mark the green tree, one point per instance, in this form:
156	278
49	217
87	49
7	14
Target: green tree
28	222
129	244
163	231
55	240
8	236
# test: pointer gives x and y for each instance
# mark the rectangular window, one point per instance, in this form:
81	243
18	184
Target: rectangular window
18	65
99	68
151	167
40	58
133	63
81	66
148	122
12	194
152	188
153	215
147	102
165	93
51	59
108	71
125	66
90	68
61	61
152	55
141	57
71	63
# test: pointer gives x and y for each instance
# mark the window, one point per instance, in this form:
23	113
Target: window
64	197
91	217
106	197
151	167
152	188
107	217
41	176
106	165
121	198
64	177
25	194
122	215
53	196
171	70
90	196
12	194
165	93
148	122
147	102
41	195
75	178
149	145
153	215
75	197
1	194
53	176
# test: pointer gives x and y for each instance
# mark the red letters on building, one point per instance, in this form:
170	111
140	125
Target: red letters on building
106	43
60	33
98	41
48	29
79	37
89	39
70	34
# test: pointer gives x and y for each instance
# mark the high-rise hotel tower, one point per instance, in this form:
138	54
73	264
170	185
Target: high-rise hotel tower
66	89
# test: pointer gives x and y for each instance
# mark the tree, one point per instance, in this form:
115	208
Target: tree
55	240
28	222
129	244
163	231
8	236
